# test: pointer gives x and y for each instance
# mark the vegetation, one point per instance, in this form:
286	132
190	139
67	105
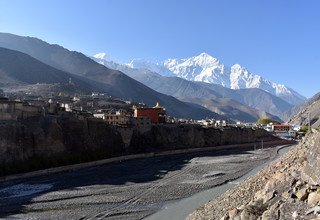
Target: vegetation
264	121
304	129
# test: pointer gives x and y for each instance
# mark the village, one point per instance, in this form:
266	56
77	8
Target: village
116	112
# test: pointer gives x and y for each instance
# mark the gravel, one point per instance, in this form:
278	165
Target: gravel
128	190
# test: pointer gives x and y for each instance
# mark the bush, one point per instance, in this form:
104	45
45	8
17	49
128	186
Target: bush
264	121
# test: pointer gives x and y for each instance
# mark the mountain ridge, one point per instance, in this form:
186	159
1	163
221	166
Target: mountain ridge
212	96
206	68
112	82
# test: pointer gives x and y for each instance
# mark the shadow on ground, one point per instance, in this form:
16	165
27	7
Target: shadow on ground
134	171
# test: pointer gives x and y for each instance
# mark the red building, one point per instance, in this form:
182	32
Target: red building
157	114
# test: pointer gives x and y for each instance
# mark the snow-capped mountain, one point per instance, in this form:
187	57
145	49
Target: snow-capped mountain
154	67
205	68
101	55
221	100
241	78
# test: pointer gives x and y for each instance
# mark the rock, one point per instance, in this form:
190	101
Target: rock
313	187
295	215
225	217
302	194
286	195
313	198
259	194
294	174
294	181
280	176
315	210
270	185
232	213
268	196
266	215
245	215
241	207
299	184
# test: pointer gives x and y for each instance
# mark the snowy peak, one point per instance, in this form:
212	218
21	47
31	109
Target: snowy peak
154	67
206	68
203	68
101	55
203	60
241	78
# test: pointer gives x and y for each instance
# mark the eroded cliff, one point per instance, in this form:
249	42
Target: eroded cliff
52	141
169	137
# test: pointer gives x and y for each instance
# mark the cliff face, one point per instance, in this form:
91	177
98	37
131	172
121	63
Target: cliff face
52	141
167	137
289	188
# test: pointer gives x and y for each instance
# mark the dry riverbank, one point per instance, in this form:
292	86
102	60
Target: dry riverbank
287	189
128	190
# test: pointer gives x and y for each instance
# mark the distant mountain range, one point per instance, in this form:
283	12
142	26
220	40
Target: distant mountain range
245	104
205	68
194	94
96	76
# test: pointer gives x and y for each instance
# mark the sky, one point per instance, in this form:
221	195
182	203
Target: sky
277	39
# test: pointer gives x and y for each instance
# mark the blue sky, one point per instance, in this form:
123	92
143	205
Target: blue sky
276	39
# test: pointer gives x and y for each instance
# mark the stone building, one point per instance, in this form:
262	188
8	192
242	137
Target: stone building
16	110
116	118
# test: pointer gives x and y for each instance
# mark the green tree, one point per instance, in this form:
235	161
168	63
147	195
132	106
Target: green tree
264	121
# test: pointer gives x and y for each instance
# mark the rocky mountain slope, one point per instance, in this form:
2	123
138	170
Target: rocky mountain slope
17	68
205	68
242	104
113	82
312	108
288	188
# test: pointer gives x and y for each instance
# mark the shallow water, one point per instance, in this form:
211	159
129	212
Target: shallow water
182	208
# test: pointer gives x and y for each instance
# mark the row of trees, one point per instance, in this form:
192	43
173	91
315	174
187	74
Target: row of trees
264	121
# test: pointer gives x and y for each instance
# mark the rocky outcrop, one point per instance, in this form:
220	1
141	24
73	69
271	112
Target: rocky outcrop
310	108
49	141
289	188
42	142
167	137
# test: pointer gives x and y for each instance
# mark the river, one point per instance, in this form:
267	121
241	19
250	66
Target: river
182	208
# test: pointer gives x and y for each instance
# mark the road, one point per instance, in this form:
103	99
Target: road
126	190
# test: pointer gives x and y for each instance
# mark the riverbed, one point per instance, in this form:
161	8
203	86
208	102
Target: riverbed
182	208
132	189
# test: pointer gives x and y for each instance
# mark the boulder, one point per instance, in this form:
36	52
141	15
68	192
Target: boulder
314	198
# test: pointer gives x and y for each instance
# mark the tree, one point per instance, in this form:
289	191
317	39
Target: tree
264	121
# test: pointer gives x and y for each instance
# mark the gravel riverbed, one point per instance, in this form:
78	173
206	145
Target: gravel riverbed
126	190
